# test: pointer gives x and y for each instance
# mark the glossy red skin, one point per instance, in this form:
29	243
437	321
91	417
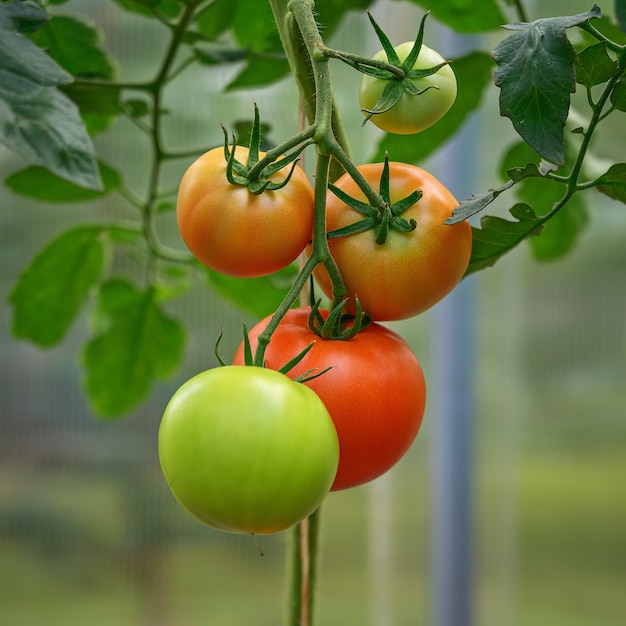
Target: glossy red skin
375	392
410	272
235	232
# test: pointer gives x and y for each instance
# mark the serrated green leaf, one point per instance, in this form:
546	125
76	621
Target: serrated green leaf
38	121
594	66
613	182
536	77
40	184
260	71
497	236
76	46
53	289
216	18
465	16
474	73
139	345
257	296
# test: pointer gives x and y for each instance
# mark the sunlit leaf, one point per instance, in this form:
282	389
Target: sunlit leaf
52	290
76	46
139	345
40	184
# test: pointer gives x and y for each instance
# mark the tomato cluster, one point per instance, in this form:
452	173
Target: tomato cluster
340	398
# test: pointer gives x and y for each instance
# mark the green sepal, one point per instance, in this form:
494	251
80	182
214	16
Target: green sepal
382	221
338	325
246	175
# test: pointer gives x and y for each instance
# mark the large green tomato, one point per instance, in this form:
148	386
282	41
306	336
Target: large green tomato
247	450
412	113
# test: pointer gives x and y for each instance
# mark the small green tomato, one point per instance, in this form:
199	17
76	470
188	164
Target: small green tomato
412	113
247	450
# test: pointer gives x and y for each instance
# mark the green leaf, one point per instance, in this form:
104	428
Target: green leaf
618	95
21	17
36	119
254	26
536	77
218	17
40	184
497	236
139	344
465	16
98	104
475	204
620	13
260	71
257	296
562	231
330	13
613	182
594	66
53	289
147	8
473	73
75	46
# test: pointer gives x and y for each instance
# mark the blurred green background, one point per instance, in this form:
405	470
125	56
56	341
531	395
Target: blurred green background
89	532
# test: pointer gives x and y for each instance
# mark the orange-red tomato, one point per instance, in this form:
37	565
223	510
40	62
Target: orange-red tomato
231	230
411	271
375	392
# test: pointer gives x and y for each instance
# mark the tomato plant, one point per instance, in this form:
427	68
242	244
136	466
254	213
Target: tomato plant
236	232
420	105
410	271
247	450
375	390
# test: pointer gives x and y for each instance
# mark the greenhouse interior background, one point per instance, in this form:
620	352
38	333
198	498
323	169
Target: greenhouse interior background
509	509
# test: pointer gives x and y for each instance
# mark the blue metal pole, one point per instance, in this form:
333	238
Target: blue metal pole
453	398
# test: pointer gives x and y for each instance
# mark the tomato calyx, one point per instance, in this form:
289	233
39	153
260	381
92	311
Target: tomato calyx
381	221
400	82
338	325
257	179
287	367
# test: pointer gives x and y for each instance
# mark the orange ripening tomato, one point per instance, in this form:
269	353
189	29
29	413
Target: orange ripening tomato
411	271
375	390
235	232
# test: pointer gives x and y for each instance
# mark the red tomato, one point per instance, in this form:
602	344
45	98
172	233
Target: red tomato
375	392
411	271
233	231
